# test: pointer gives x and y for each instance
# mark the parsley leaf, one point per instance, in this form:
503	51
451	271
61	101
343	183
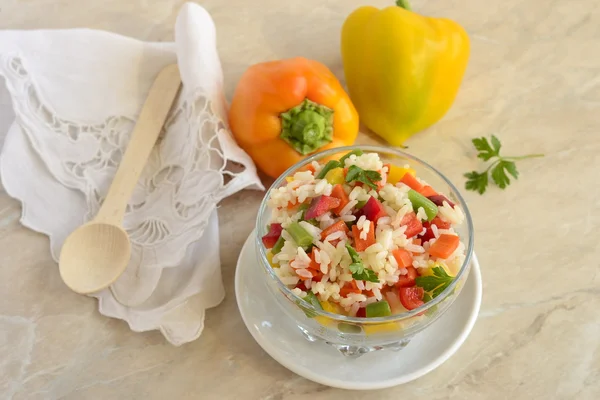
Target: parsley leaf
500	168
435	283
499	174
486	151
367	177
359	272
476	182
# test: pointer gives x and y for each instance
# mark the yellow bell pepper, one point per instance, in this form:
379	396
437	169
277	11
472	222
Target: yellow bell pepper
396	173
329	307
335	176
403	70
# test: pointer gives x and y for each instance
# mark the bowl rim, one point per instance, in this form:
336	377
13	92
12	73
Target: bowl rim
360	320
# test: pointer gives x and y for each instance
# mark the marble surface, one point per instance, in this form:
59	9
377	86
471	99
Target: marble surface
533	80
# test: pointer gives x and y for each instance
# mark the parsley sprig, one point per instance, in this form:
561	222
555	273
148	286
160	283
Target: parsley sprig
359	272
500	168
436	283
367	177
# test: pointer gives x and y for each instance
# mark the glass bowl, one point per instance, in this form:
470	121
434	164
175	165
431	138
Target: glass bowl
354	336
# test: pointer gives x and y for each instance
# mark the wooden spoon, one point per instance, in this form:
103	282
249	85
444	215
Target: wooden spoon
97	253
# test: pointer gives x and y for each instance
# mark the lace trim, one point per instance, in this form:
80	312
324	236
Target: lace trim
189	165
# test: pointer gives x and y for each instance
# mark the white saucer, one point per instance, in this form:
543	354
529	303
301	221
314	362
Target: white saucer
280	338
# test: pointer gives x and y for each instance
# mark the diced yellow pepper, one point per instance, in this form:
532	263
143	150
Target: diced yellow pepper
270	259
396	173
335	176
329	307
289	179
381	328
429	271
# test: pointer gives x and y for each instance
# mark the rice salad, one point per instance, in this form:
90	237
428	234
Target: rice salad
362	238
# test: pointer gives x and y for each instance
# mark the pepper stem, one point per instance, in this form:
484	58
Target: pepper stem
307	127
404	4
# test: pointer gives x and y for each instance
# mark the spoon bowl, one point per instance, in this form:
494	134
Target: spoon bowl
94	256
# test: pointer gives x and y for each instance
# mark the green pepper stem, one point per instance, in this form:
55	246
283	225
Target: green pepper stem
404	4
307	127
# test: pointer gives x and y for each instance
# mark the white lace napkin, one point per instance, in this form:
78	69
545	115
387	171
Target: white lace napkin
76	94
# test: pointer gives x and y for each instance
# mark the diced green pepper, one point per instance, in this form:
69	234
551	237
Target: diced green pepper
311	299
360	204
418	200
278	245
300	235
358	152
379	309
303	207
328	167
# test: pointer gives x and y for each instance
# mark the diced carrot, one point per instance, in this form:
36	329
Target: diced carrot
291	205
363	244
308	167
338	226
348	288
317	275
444	246
417	241
403	258
412	182
428	191
339	193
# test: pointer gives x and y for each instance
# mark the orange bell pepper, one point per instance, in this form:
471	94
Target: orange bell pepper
284	110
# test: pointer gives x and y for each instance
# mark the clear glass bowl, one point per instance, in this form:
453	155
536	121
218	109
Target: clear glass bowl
354	336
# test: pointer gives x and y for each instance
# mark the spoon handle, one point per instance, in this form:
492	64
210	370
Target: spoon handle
144	136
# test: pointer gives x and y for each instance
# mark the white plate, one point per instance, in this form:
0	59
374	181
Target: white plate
278	335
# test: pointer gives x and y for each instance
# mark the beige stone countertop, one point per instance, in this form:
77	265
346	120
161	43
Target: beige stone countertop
533	80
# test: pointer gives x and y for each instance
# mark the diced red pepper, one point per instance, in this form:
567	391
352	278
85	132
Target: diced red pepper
272	236
373	209
320	205
411	297
439	199
412	182
407	280
338	226
437	221
361	313
363	244
403	257
339	193
412	223
300	285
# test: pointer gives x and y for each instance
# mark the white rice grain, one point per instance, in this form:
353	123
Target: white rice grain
348	218
413	248
335	236
304	273
348	207
377	294
365	229
421	214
